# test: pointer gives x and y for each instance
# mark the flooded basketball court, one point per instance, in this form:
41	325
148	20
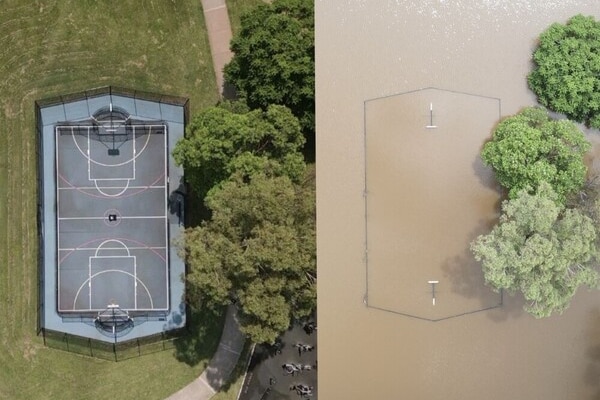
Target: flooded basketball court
399	174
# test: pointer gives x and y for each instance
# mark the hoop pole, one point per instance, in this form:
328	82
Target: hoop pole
433	283
431	125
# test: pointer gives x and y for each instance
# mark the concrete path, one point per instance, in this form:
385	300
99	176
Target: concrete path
220	367
219	36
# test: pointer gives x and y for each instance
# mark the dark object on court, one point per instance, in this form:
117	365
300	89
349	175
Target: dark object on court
302	390
302	348
291	368
310	327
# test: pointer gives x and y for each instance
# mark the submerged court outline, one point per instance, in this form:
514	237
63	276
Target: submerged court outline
419	121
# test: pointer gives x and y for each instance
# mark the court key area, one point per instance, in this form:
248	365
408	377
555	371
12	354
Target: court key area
112	222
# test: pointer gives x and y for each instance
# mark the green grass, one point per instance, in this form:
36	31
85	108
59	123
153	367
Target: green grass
58	46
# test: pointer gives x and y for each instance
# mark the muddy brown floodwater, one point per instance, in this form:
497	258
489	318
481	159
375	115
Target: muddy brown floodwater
427	196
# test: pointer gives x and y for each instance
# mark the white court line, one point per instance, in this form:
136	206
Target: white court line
56	172
89	282
87	151
101	246
108	187
103	164
98	218
113	179
123	189
110	248
166	197
135	281
135	151
113	248
127	256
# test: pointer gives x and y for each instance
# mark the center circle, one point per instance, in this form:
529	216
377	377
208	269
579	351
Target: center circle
112	217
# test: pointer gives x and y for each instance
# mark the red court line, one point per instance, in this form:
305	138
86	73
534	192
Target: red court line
113	238
62	178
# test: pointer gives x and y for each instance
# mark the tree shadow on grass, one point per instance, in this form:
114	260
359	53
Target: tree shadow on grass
201	337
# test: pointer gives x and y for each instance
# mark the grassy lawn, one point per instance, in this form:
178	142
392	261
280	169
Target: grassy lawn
59	46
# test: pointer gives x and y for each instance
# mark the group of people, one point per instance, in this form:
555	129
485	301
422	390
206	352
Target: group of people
303	348
291	368
302	389
310	327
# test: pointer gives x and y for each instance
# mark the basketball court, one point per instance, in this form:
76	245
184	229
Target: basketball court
112	221
428	196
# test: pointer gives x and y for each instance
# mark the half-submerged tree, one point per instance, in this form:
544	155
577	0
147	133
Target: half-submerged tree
540	249
274	58
530	147
258	250
566	77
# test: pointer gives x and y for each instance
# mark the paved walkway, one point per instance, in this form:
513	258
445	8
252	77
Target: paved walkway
219	36
220	367
232	341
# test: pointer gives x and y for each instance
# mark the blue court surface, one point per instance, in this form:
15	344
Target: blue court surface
111	206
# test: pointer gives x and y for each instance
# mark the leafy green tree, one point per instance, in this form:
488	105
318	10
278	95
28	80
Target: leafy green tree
259	249
587	199
228	138
530	147
566	77
274	58
540	249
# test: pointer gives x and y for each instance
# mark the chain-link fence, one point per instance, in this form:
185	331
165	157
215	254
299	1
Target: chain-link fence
116	351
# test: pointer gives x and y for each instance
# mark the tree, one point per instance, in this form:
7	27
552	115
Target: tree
587	199
530	147
228	138
259	249
274	58
540	249
566	77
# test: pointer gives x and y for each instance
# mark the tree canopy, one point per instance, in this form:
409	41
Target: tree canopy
540	249
529	148
229	138
259	249
274	60
566	77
